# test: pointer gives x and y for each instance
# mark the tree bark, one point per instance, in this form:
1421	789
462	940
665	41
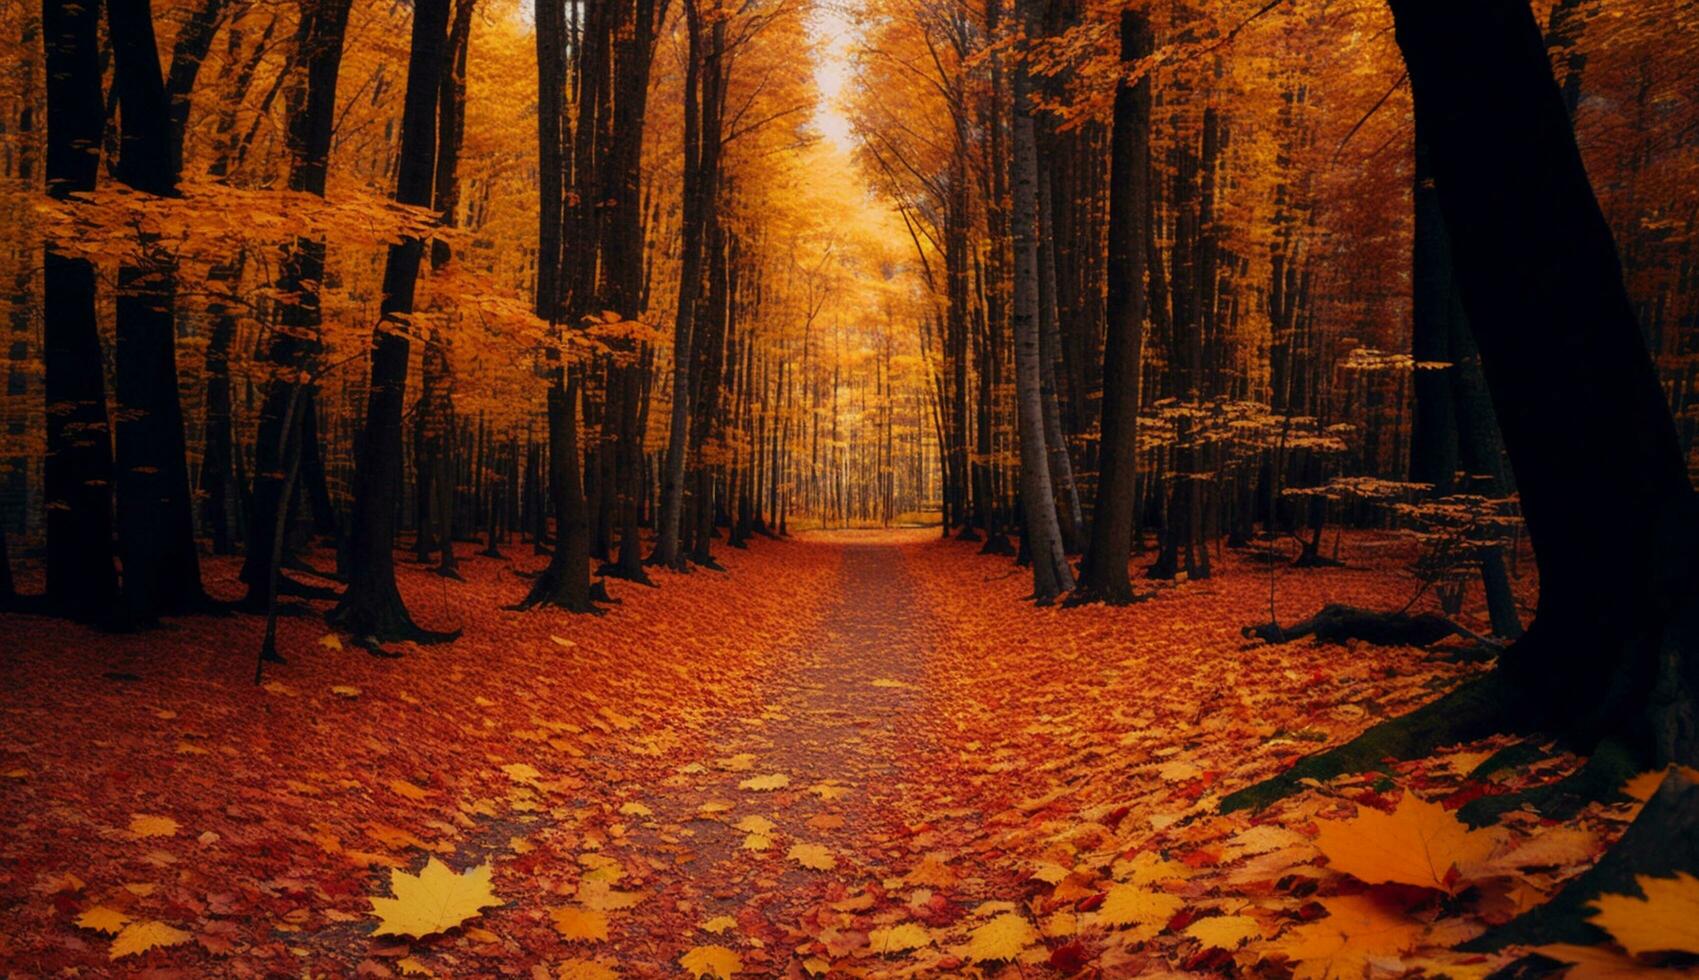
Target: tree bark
81	580
372	608
156	526
1051	574
1105	574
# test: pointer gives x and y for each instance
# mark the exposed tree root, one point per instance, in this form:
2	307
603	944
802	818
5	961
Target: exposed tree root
1513	756
1663	840
997	544
1085	595
1481	707
1316	561
255	601
1337	623
1598	780
374	624
616	570
549	589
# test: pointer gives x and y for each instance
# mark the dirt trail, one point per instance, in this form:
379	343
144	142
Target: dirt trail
843	729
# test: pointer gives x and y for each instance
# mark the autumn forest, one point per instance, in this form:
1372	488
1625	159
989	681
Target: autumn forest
849	488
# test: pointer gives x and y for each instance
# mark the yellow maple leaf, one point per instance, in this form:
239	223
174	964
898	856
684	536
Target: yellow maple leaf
754	824
718	924
414	967
330	641
757	842
1224	931
580	969
1666	920
581	925
1002	938
763	784
711	961
635	809
144	825
812	856
1356	929
1419	843
435	900
1145	910
899	939
345	691
139	937
103	918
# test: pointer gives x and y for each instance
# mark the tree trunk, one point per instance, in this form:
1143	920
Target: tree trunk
290	350
371	608
1105	573
1610	662
1051	574
156	526
81	579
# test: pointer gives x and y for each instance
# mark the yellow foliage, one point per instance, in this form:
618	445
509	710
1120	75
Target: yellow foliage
1224	931
814	856
765	783
1003	938
1419	843
102	918
900	938
139	937
580	925
435	900
1145	910
711	961
1666	920
1356	929
143	825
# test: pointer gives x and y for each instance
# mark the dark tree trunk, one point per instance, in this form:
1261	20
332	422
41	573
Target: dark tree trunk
81	579
156	527
1105	574
1435	306
1610	662
290	350
371	608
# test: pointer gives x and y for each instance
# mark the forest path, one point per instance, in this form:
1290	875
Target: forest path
797	814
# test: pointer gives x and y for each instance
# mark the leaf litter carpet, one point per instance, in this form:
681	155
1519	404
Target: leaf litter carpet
854	754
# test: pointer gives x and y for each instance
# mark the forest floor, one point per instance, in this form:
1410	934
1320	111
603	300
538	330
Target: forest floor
854	753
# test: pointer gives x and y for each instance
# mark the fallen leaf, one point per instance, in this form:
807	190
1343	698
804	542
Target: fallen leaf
813	856
711	961
435	900
102	918
139	937
143	825
1666	920
899	938
1419	843
580	925
1003	938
